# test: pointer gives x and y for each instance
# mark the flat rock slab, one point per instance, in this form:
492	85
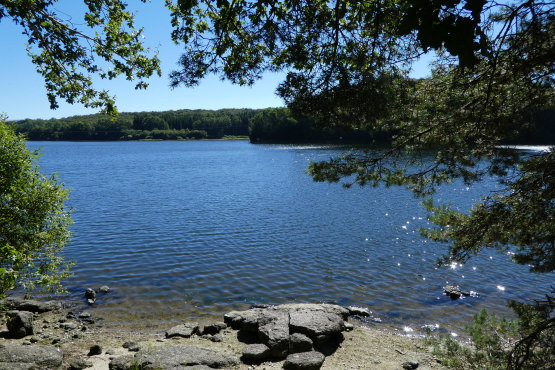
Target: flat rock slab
183	330
174	357
30	305
304	361
314	323
255	353
13	356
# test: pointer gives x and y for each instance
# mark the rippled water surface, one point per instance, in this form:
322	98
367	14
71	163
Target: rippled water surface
195	229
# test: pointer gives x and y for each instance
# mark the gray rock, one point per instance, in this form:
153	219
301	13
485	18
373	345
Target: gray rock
68	325
91	301
216	338
306	361
273	331
171	357
358	311
410	365
183	330
244	320
122	363
255	353
95	350
348	326
132	346
30	305
454	291
103	289
13	356
84	315
80	364
329	308
19	323
314	323
90	293
213	328
299	343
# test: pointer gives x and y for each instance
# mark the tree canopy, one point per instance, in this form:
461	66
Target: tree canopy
68	53
347	65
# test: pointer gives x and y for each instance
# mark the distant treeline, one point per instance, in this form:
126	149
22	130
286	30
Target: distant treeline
271	125
168	125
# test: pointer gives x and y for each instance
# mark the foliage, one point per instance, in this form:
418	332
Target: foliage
496	343
66	52
346	65
33	221
168	125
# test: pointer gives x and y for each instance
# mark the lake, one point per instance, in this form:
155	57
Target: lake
195	229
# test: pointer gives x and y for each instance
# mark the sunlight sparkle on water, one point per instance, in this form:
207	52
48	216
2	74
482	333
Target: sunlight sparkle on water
501	288
408	329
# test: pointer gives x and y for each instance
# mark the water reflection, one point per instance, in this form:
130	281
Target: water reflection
195	229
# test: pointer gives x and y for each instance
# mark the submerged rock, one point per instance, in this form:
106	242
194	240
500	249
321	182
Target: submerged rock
90	293
358	311
454	292
103	289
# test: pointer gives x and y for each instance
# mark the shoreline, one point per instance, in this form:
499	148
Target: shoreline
74	334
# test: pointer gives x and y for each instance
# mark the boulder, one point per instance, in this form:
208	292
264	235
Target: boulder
323	307
315	323
95	350
273	331
170	357
213	328
30	305
304	361
244	320
19	323
183	330
132	346
299	343
14	356
255	353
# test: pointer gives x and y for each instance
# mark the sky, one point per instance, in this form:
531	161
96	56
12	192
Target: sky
22	92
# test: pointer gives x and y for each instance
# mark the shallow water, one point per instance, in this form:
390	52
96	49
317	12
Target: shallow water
195	229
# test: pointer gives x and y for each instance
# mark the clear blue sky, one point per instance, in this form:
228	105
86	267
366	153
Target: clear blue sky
22	92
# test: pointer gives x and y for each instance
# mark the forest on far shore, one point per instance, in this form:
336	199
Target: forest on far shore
270	125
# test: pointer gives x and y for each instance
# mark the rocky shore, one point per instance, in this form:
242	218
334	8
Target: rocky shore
44	335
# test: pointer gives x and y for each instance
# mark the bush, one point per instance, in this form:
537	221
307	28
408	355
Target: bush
496	343
33	221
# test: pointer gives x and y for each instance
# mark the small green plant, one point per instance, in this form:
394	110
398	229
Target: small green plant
527	342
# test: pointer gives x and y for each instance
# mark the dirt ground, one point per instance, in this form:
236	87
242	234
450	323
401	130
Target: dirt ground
361	348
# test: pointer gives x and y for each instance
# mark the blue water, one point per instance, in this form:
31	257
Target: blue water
195	229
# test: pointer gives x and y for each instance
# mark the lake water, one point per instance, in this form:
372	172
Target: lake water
195	229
